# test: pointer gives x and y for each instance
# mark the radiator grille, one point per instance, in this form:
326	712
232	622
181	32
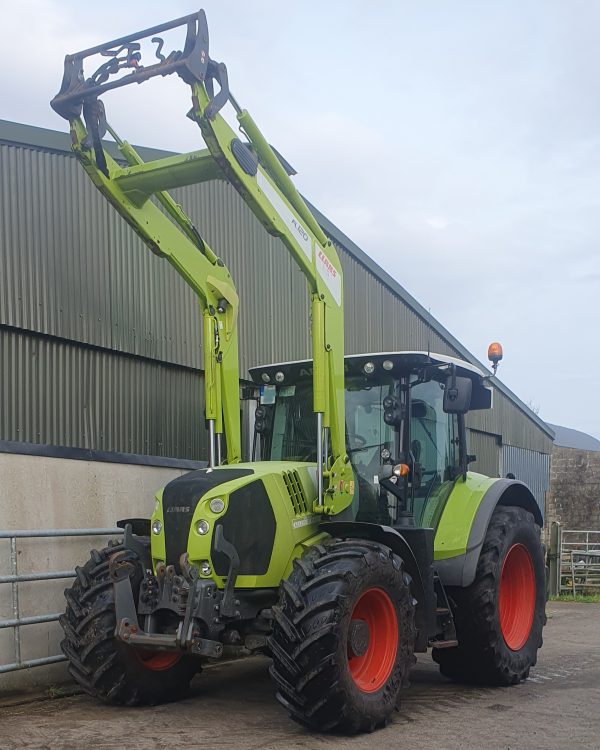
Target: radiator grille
296	492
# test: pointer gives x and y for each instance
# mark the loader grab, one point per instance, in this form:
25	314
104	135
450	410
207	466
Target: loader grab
356	535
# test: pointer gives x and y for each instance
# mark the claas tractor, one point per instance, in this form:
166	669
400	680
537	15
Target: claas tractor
355	536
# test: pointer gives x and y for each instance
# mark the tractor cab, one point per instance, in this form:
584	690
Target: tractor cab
405	434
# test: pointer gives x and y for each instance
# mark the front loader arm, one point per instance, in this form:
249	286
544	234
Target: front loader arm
177	240
255	171
257	174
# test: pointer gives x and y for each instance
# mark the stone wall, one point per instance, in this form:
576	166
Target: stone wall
574	495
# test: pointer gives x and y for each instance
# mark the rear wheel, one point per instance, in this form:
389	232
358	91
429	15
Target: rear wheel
500	617
343	636
105	667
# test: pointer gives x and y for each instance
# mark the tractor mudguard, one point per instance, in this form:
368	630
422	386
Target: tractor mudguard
465	520
415	547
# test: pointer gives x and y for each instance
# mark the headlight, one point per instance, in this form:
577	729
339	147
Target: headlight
202	527
369	368
279	377
217	505
156	526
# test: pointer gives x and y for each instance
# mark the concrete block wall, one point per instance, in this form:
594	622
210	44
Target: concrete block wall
574	495
39	492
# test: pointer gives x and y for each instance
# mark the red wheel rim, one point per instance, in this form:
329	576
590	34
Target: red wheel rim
371	670
517	597
158	661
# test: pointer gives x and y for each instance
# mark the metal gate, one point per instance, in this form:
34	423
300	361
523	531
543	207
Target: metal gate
17	621
579	562
530	467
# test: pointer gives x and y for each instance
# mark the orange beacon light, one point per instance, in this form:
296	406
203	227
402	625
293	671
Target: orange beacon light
495	354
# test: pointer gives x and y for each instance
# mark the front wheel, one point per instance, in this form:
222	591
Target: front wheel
105	667
500	617
343	636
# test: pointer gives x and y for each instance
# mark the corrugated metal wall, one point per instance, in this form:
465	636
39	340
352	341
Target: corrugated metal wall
71	268
530	467
376	320
486	448
58	393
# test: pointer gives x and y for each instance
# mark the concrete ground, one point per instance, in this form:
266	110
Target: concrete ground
232	706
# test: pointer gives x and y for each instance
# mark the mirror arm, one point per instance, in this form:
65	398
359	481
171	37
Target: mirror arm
462	447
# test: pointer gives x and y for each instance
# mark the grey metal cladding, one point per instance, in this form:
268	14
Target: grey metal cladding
507	420
486	448
51	281
58	393
376	320
71	267
530	467
75	269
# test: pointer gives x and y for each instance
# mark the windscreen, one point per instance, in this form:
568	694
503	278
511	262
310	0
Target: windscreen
293	436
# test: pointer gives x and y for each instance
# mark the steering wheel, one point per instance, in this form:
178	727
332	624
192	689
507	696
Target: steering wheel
359	442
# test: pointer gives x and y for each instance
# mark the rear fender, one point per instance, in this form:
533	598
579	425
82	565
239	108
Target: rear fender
465	520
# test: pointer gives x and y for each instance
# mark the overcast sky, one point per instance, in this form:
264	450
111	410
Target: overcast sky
457	143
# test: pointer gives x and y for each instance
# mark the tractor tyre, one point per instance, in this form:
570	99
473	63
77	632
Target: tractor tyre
499	618
343	636
107	668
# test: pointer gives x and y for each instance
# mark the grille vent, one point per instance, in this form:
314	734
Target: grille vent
296	492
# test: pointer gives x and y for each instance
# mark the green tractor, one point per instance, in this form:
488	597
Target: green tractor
356	536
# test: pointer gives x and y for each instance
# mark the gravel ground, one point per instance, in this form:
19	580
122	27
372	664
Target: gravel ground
232	706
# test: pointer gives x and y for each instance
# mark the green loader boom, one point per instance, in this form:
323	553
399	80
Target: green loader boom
254	169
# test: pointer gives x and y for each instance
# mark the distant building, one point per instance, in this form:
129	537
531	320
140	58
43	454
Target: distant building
574	495
566	437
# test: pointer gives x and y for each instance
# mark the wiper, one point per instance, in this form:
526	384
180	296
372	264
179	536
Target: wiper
364	448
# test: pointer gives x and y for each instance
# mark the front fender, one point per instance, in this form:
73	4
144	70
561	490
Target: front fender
415	547
465	520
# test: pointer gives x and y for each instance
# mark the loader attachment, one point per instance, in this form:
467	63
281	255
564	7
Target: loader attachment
124	54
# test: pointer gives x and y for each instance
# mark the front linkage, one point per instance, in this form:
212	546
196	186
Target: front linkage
203	611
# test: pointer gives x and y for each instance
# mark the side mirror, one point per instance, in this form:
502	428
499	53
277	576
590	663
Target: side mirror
457	395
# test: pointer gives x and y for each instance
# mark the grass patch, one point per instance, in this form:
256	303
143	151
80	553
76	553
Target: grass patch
587	598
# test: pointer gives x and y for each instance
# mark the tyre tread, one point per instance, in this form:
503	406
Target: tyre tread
104	667
305	641
481	656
